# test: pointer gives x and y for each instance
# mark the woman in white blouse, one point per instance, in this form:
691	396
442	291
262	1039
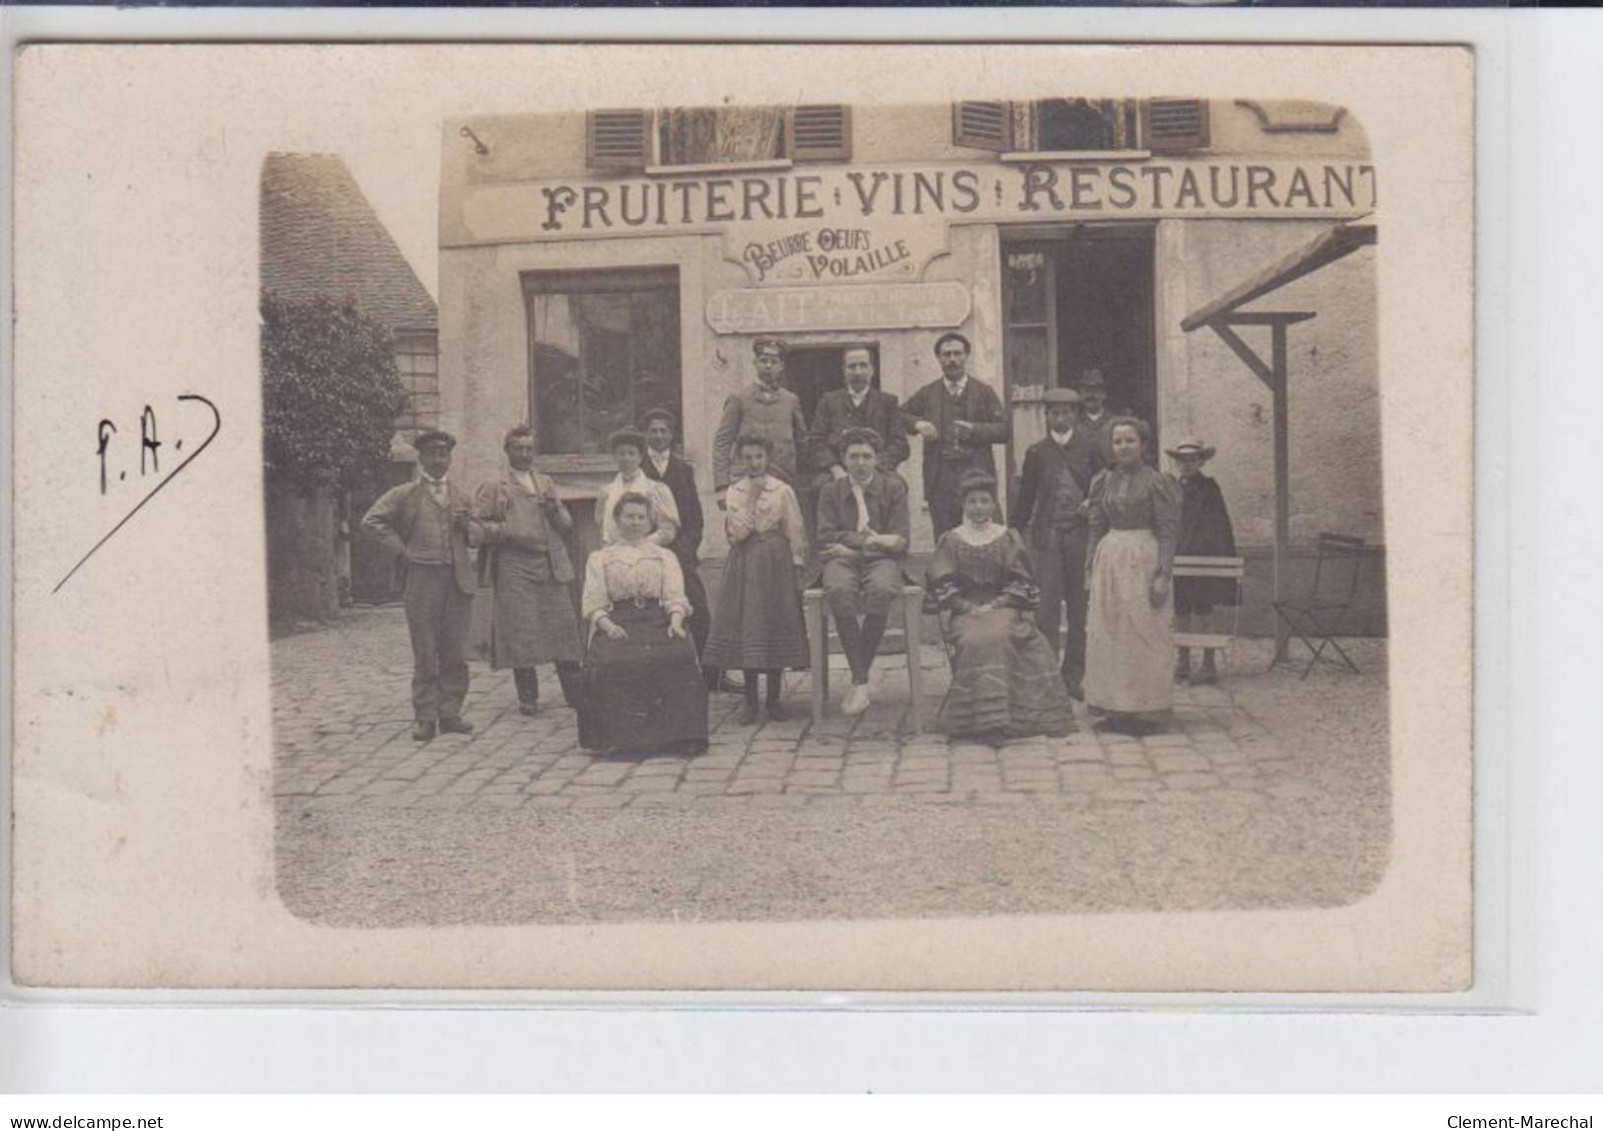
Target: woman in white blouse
757	624
643	686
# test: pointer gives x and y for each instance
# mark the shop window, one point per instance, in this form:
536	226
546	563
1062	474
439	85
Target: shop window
725	135
1083	125
603	348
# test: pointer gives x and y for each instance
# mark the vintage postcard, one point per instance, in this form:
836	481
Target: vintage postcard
743	517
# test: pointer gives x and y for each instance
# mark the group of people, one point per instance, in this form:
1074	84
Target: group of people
1094	529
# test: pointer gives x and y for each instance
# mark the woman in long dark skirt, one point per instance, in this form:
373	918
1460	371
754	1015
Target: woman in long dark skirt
1205	532
1005	681
757	625
643	688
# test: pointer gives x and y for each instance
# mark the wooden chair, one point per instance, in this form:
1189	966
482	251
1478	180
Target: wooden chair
1317	617
1232	569
817	611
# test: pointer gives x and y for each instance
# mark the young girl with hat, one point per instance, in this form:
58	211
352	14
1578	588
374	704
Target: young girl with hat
1205	531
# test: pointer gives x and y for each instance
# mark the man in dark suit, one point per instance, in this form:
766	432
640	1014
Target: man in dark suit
857	405
1048	510
960	418
680	479
428	525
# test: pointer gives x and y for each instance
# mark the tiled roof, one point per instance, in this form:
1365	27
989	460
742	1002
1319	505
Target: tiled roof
320	237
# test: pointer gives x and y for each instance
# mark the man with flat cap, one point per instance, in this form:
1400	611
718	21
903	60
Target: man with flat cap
428	524
1048	510
960	418
763	409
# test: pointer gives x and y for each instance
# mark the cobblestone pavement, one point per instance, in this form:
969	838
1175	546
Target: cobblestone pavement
342	738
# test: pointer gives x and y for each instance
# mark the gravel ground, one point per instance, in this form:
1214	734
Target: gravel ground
1321	843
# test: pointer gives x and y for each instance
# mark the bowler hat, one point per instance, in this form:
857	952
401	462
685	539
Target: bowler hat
1061	396
1092	379
432	438
1190	447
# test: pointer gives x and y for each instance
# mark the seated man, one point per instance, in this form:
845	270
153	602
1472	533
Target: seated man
863	532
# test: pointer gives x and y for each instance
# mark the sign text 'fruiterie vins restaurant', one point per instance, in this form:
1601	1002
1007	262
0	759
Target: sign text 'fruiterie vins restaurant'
884	224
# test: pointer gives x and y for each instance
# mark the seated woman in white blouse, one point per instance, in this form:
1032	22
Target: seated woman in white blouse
643	689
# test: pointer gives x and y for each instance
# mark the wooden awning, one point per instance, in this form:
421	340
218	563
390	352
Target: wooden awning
1337	243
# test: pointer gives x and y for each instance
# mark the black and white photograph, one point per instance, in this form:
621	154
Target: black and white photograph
1002	533
834	510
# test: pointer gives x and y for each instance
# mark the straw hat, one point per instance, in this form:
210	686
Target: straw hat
1190	447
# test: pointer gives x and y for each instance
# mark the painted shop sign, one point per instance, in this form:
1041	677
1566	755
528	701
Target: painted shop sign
853	225
880	306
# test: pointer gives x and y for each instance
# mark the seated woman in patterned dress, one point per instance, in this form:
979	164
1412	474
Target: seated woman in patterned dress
642	685
1005	680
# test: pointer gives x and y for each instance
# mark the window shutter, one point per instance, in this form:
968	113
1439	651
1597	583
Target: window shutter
983	125
1175	125
618	139
820	133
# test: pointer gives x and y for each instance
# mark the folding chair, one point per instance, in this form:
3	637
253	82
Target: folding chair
1317	618
817	610
1233	569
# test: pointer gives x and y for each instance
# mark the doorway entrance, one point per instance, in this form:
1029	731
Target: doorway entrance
1075	299
812	371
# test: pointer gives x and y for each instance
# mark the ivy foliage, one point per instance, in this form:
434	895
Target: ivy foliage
330	393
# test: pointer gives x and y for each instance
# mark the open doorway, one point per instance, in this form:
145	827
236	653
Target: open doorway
1078	299
812	371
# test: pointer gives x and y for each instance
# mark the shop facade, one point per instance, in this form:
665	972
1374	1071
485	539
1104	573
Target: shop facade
596	265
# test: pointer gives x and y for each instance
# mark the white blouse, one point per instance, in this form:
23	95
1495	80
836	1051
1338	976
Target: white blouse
627	571
664	511
756	506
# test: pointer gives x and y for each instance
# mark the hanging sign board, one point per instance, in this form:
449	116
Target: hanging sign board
874	306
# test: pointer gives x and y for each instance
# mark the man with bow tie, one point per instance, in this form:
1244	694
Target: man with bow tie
428	524
960	418
764	409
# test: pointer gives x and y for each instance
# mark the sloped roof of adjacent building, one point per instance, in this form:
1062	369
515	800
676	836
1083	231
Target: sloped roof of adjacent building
321	237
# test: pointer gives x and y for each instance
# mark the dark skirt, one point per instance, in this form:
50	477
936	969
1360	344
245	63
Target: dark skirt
642	692
758	621
1201	594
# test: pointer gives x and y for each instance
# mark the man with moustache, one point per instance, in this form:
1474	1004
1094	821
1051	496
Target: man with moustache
960	418
523	525
428	524
1048	511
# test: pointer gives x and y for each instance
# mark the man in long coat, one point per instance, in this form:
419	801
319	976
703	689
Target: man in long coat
1048	511
762	409
960	418
428	525
680	478
523	526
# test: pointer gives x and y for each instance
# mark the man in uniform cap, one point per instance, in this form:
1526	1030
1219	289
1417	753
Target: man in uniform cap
428	524
1048	511
762	409
960	418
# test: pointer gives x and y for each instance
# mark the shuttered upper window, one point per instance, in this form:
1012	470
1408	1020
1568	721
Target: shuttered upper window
1057	125
725	135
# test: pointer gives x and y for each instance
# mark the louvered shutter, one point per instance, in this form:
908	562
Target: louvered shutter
618	139
821	133
983	125
1175	125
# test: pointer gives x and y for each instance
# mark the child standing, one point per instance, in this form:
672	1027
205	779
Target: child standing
757	625
1205	531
